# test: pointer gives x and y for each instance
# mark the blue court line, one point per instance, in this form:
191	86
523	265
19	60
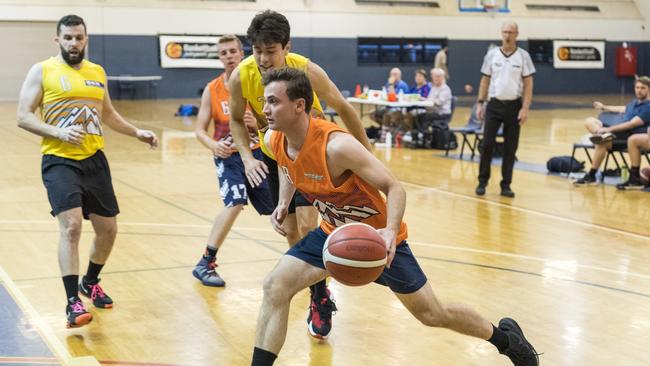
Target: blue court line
20	341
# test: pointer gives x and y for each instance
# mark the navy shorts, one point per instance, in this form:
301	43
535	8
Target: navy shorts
235	189
79	183
298	199
403	277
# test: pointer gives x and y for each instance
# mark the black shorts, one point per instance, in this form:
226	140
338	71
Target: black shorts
79	183
403	277
274	183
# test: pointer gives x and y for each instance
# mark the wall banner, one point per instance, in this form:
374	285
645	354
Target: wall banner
579	54
189	52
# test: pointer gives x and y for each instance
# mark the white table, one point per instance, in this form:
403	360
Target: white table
384	103
128	80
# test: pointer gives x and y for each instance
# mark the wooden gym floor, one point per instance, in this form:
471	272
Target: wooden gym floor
570	264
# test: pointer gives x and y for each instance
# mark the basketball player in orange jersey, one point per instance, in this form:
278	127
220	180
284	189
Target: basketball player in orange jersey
74	104
269	34
344	180
235	190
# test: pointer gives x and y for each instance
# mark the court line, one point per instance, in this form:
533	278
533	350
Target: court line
531	258
586	283
530	211
239	229
35	319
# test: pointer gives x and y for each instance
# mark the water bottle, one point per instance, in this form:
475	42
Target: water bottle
625	174
400	95
384	93
389	139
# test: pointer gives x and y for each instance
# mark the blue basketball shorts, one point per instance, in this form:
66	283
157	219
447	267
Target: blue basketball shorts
403	277
235	189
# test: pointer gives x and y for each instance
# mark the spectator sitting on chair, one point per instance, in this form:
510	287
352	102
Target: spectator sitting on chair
637	120
421	86
440	94
635	144
391	116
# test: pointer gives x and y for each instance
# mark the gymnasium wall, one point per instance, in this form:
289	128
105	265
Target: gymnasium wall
123	37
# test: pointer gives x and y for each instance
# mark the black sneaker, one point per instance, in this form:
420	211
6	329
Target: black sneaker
480	190
507	192
76	313
320	316
205	272
601	139
586	180
95	293
519	350
632	184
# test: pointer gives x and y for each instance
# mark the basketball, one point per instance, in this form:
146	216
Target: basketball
645	175
354	254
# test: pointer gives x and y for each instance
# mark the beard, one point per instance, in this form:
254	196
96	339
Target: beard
72	59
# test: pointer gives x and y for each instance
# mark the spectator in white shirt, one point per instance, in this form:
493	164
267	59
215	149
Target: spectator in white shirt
440	94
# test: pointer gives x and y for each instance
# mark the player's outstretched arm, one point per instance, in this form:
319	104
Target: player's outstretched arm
256	170
346	153
326	90
116	122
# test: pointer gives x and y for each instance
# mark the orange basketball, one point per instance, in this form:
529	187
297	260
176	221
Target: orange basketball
354	254
645	175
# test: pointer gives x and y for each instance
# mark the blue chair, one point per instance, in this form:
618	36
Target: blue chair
618	146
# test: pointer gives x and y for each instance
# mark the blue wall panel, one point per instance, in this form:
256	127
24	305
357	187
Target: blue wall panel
138	55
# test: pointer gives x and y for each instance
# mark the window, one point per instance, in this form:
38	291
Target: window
398	51
541	50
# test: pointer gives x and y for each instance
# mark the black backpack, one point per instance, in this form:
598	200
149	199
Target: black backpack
562	164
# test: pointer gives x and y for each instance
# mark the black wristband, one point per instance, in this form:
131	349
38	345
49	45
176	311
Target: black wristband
480	101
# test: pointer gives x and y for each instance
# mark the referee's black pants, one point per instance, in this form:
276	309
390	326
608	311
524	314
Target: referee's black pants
496	113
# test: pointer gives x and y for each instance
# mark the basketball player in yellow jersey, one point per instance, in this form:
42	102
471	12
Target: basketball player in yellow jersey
269	34
72	96
347	175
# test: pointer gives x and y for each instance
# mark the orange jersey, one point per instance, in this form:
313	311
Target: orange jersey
219	98
353	201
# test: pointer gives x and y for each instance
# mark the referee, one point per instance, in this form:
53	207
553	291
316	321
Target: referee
507	84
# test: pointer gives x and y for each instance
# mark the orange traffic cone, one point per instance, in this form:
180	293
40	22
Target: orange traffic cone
357	91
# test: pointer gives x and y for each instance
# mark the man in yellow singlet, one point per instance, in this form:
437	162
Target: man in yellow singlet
72	96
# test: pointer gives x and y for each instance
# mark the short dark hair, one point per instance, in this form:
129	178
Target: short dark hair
269	27
70	21
297	82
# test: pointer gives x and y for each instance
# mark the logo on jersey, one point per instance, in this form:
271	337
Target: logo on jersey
314	176
347	214
94	83
65	83
85	115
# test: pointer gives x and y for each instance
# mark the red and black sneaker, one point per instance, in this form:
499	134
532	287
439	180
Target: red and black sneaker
319	319
76	313
95	292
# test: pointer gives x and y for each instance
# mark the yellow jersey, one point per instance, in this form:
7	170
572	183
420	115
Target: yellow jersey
253	90
70	97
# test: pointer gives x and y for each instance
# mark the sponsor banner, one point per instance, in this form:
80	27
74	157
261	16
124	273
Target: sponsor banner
189	52
579	54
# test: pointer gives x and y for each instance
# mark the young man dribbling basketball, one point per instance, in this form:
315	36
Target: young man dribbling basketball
343	179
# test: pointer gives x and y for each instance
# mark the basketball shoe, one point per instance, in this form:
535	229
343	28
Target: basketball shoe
76	313
93	291
320	316
519	351
205	272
